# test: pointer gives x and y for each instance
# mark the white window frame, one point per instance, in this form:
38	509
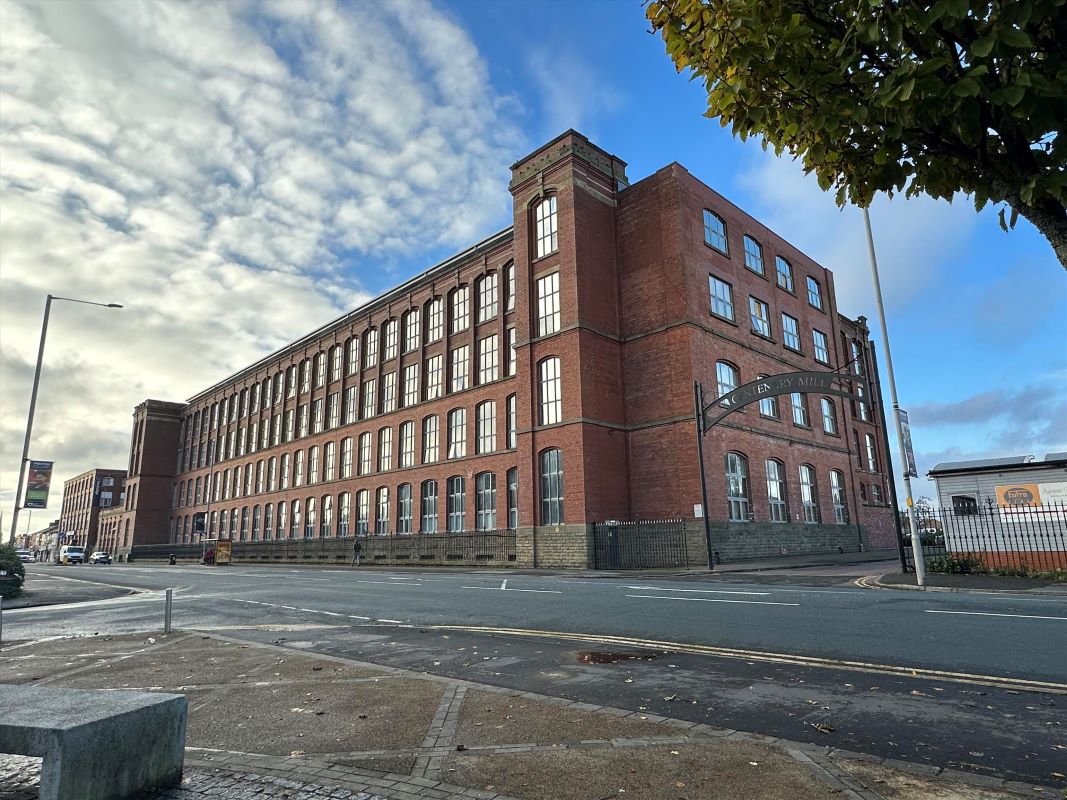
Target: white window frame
548	311
488	359
488	302
457	433
546	233
430	439
485	414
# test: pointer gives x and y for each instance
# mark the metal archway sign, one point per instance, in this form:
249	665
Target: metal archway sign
774	385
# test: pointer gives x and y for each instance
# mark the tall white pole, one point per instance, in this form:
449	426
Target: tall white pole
916	540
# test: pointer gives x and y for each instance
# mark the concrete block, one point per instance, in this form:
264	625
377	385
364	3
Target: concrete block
96	745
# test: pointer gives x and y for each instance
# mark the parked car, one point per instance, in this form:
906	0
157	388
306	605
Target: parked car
71	554
100	557
24	555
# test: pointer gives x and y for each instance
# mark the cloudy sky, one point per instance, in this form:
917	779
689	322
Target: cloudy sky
243	172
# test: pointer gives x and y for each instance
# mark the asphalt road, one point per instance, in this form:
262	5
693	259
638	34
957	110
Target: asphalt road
951	679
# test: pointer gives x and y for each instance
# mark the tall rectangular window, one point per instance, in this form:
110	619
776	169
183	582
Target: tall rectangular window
460	365
760	316
403	508
822	348
329	461
298	468
385	449
488	359
776	496
353	355
370	348
509	281
388	392
545	222
407	444
286	462
317	416
551	395
351	405
865	413
809	494
362	512
551	463
837	496
313	464
513	498
412	327
429	440
872	453
510	338
461	312
487	297
456	504
829	419
800	409
344	514
305	376
486	421
784	273
290	427
364	454
722	298
370	398
429	507
485	501
320	369
715	231
435	320
382	522
512	421
411	385
304	420
814	293
435	377
346	457
457	433
753	255
336	355
392	339
548	318
790	332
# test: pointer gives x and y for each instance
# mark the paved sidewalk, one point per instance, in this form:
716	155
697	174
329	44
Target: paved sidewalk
968	583
273	722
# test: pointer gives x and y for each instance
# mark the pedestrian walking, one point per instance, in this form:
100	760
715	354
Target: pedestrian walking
357	553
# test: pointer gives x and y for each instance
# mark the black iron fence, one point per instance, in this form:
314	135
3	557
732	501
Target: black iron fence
1013	538
467	548
640	545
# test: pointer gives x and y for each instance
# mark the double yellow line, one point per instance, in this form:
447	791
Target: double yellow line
998	681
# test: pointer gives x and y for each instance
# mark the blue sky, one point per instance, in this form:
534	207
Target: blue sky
245	172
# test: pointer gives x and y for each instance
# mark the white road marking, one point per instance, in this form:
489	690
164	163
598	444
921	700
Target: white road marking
701	591
504	584
711	600
990	614
357	616
394	621
332	613
502	589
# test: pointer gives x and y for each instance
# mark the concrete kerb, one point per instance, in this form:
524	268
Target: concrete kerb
875	582
819	755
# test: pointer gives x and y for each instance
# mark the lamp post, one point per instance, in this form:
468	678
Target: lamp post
33	399
916	540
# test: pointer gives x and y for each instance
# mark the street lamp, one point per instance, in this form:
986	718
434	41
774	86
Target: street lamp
33	399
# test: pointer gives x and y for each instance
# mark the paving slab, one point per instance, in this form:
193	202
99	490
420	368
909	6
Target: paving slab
26	662
719	771
494	718
896	785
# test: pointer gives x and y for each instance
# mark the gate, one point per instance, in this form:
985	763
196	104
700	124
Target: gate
640	545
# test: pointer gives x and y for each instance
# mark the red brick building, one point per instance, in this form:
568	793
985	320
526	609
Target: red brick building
84	498
542	381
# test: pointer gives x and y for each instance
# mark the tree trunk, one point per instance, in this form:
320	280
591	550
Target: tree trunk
1049	217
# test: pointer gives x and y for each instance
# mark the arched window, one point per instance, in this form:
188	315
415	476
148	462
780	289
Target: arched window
256	520
485	501
352	355
364	454
283	520
344	514
429	440
435	320
295	530
863	492
285	470
326	525
329	461
407	444
272	474
362	512
233	523
403	508
385	449
460	309
837	494
876	494
412	328
336	357
513	498
776	493
382	521
268	522
305	376
486	422
346	457
457	433
809	494
753	255
552	487
313	464
456	509
487	297
872	453
551	391
309	518
768	406
429	507
370	348
320	369
298	468
829	418
391	334
545	227
737	487
715	231
726	378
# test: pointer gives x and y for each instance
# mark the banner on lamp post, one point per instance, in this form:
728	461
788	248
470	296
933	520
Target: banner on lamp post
909	452
38	479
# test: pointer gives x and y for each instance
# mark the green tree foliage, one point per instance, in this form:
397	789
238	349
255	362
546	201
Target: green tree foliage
932	97
10	563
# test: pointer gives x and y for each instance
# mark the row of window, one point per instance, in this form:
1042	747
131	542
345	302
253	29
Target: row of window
314	516
739	495
357	457
715	236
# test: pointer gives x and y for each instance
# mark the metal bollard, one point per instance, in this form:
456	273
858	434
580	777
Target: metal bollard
167	610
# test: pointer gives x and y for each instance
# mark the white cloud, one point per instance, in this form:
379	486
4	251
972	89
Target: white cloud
226	171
